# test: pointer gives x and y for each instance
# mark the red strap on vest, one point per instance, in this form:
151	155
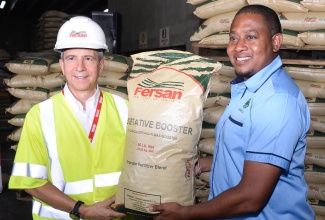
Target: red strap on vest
96	117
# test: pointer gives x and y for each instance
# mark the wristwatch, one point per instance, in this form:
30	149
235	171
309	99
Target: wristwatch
74	214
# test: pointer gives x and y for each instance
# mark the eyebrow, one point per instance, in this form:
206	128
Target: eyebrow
245	31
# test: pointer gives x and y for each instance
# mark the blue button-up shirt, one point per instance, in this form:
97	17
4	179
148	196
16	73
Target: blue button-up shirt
266	121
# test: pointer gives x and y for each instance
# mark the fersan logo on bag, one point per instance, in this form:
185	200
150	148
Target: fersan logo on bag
165	90
78	34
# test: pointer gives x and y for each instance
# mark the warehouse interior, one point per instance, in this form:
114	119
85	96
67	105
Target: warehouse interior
134	26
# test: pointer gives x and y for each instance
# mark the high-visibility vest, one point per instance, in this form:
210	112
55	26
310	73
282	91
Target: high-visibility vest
63	154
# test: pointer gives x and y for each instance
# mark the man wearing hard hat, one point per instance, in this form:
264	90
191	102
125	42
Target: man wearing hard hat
70	152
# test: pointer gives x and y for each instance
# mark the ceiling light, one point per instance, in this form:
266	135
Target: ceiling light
106	10
2	5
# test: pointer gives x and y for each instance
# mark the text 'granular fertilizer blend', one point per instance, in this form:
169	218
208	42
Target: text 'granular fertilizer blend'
166	92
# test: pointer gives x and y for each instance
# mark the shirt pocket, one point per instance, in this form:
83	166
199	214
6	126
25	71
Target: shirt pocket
234	133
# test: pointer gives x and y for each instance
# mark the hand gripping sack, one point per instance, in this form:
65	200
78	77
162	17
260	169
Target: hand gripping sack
166	92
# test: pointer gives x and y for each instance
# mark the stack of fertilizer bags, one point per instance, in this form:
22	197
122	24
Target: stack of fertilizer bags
32	79
114	77
36	78
5	96
303	22
48	26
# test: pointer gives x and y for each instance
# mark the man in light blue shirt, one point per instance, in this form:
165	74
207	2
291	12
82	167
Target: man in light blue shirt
258	163
265	122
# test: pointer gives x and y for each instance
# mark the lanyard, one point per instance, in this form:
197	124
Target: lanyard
96	117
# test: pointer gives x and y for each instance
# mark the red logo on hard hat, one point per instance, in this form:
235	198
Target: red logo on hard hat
78	34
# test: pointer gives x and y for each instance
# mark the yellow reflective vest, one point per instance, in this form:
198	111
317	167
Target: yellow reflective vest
54	147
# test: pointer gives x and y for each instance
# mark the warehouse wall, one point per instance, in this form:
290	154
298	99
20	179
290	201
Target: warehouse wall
16	34
149	16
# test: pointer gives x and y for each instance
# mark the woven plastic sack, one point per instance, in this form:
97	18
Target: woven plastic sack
314	5
316	37
166	92
213	25
112	78
280	5
302	21
29	66
214	8
311	89
316	106
29	93
316	140
307	73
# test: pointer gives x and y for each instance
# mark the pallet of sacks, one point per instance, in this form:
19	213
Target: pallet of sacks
302	22
48	27
30	84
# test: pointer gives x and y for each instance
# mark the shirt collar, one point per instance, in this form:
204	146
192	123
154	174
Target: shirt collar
75	104
256	81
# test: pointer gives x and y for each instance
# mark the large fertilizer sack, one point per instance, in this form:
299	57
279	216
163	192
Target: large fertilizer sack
316	106
213	114
315	156
302	21
29	93
29	66
213	25
206	145
207	130
227	69
15	135
166	92
291	38
314	5
214	100
18	120
21	106
314	173
307	73
318	206
317	123
316	37
48	81
112	78
221	38
117	63
220	84
214	8
316	140
316	191
311	89
196	2
280	5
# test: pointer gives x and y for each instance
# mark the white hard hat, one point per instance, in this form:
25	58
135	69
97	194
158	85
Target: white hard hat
80	32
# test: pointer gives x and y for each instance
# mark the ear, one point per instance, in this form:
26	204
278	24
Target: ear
277	41
62	66
101	65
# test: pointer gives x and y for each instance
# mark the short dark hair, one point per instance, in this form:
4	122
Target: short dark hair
270	17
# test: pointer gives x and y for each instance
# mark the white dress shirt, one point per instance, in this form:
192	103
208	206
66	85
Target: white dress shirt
85	116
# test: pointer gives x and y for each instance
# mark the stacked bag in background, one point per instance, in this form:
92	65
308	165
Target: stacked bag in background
303	22
48	27
30	84
6	98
